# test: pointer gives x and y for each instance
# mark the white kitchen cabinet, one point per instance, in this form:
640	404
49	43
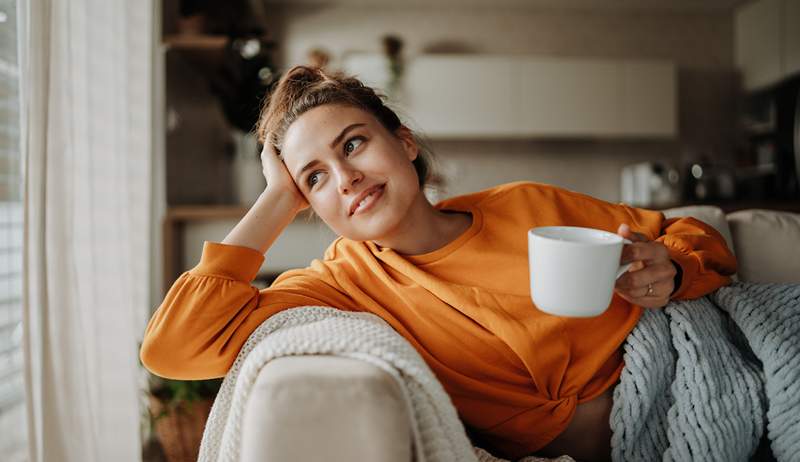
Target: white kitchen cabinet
457	96
566	97
370	68
648	98
447	96
767	41
791	37
603	98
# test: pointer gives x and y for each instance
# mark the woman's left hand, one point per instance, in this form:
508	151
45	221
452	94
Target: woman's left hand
650	280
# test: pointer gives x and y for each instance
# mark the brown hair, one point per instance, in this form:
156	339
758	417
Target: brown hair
303	88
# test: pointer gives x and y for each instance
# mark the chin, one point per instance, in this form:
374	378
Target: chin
374	227
369	230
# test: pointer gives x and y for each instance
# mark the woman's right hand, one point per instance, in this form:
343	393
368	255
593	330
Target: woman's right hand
278	176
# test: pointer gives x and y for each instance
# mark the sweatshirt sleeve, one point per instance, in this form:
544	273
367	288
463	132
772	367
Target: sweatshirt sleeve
211	310
700	251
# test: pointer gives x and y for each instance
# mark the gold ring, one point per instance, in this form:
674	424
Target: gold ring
649	289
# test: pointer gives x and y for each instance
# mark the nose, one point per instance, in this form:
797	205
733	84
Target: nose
348	178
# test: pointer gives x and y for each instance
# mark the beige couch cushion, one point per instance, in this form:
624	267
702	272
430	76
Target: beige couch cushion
767	245
327	408
709	215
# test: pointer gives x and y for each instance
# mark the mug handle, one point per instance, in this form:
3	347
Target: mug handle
623	268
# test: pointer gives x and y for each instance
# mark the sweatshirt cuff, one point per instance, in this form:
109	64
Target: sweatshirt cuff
689	266
230	261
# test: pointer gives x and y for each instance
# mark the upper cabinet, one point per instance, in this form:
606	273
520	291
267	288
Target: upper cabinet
567	97
649	99
767	41
791	37
473	96
453	96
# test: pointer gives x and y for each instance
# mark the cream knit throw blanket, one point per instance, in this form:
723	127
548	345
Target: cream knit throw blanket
437	430
704	377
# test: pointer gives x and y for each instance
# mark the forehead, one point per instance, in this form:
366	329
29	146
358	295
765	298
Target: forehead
312	132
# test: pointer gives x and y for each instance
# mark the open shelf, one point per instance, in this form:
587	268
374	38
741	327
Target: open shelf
215	212
205	212
195	42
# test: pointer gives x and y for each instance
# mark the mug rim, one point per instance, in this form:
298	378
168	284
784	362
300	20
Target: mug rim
535	232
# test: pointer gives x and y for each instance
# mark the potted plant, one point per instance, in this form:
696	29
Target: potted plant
178	413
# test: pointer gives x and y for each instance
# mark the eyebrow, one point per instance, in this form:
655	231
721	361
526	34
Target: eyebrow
333	144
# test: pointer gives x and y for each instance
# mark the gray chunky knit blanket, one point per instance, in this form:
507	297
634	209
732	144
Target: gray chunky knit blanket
705	378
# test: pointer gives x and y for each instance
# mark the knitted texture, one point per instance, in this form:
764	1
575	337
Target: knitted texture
702	377
437	431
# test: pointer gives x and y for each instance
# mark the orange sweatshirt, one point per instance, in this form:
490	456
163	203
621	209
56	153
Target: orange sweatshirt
514	373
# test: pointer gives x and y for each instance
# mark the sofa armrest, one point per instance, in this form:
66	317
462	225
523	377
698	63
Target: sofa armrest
325	408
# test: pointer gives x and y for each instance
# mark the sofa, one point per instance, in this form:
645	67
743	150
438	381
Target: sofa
340	409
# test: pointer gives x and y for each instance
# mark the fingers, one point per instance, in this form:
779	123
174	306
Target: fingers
625	231
650	287
277	173
651	279
660	289
269	149
651	251
657	298
636	283
271	161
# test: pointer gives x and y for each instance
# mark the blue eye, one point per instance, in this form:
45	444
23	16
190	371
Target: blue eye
349	143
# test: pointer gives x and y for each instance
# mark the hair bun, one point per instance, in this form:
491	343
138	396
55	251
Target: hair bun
303	75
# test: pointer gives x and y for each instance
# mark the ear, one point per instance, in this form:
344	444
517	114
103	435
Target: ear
408	142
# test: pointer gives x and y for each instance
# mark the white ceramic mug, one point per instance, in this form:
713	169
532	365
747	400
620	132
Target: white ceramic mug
573	269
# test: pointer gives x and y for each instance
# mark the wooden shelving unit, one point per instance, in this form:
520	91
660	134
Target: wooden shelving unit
205	212
202	51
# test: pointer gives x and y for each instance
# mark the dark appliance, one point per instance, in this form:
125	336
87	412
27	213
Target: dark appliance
770	166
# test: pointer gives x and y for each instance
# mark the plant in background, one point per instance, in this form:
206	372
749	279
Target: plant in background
182	395
178	413
392	49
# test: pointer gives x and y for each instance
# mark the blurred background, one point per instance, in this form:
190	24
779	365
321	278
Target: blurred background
652	103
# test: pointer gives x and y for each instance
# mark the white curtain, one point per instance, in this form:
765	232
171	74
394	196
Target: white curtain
86	139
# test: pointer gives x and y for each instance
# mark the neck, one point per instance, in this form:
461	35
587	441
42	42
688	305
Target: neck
425	229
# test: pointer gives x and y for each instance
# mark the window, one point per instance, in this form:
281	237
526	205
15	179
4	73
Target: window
12	410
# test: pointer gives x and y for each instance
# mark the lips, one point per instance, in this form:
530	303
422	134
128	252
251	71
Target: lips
355	203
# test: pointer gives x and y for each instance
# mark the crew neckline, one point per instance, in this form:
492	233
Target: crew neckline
447	249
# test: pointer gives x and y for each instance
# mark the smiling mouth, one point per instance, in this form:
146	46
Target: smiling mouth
368	200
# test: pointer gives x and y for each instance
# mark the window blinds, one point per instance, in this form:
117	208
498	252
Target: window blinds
12	411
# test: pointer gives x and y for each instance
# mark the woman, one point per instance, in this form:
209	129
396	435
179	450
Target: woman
452	278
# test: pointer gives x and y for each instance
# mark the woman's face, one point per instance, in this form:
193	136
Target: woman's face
357	176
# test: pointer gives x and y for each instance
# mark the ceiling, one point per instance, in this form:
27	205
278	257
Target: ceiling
660	5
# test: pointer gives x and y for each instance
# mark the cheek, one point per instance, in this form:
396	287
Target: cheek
407	175
327	207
